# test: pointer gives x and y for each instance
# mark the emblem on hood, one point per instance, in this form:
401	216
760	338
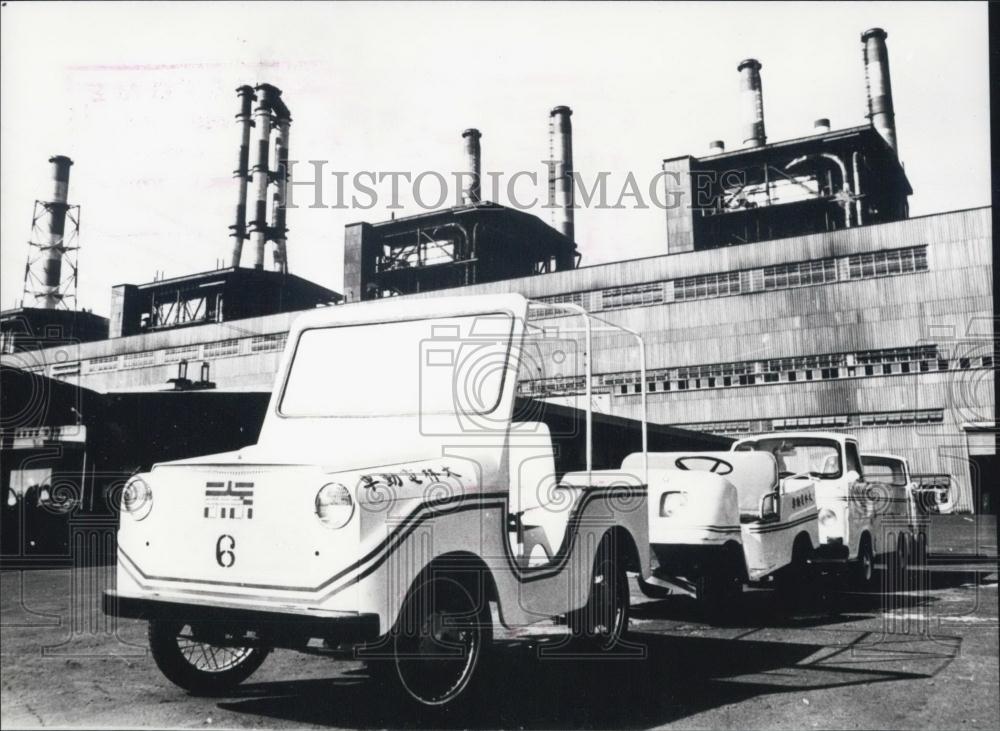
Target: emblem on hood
230	500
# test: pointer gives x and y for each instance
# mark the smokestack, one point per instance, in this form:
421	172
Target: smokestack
281	187
242	172
821	125
473	163
262	115
54	248
878	84
752	104
716	147
561	132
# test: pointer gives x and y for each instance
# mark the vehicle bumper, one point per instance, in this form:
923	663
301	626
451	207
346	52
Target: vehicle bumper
285	627
833	552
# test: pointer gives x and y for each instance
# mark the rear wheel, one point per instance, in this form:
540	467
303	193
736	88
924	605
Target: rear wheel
899	561
603	620
183	655
719	592
863	569
792	582
442	633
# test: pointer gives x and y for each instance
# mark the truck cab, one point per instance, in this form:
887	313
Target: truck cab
904	521
830	462
406	479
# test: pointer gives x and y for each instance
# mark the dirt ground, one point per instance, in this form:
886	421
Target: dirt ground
925	656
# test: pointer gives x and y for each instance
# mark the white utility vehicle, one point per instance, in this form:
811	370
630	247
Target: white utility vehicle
853	514
718	520
402	482
910	522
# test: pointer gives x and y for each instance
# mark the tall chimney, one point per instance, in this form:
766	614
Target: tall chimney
242	172
878	84
260	170
281	187
752	103
471	192
561	130
54	248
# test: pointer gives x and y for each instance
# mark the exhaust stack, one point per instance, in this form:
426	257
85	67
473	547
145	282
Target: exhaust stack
561	135
472	189
54	248
242	172
752	103
879	84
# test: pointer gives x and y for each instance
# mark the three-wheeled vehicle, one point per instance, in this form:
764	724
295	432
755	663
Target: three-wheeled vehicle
718	520
404	480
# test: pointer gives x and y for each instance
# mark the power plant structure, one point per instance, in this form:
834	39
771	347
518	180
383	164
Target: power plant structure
794	291
47	315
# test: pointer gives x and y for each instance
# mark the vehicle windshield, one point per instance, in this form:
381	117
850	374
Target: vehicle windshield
884	470
448	365
800	455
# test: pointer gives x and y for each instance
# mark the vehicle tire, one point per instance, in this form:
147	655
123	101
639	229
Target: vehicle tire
792	582
603	620
199	667
439	644
863	568
898	562
720	592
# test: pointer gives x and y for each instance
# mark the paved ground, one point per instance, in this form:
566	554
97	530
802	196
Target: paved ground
924	657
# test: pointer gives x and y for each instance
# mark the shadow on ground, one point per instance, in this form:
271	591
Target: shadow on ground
679	676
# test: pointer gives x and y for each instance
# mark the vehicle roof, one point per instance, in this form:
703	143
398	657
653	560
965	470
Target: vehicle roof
394	309
882	455
835	436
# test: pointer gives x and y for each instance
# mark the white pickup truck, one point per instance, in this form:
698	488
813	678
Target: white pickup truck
400	485
718	520
856	519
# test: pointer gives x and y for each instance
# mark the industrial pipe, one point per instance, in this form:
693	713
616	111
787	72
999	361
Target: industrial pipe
281	186
471	189
879	84
561	130
262	114
54	249
752	104
242	172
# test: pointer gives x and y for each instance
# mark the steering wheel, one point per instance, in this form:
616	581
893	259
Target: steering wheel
681	463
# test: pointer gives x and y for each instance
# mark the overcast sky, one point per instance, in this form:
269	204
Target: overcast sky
141	96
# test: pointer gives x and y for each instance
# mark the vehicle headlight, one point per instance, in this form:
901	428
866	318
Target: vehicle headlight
334	506
828	518
137	498
671	502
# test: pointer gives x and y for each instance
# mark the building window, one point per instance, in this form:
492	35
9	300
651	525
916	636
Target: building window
706	286
800	274
887	263
633	296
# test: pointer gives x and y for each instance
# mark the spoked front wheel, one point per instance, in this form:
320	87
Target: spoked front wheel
443	632
186	659
603	620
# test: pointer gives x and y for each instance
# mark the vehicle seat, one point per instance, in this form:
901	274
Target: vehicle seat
754	475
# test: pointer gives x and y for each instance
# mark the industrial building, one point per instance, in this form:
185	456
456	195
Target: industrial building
794	292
